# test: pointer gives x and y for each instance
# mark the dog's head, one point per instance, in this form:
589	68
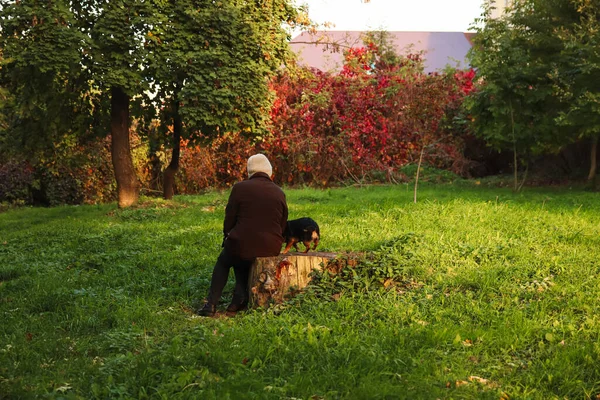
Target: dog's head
310	233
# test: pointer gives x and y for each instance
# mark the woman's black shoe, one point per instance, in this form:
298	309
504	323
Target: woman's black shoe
209	310
234	308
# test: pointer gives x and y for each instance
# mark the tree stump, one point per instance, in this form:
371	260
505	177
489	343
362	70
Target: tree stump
274	279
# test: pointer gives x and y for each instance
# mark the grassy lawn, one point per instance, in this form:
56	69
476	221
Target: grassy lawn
488	294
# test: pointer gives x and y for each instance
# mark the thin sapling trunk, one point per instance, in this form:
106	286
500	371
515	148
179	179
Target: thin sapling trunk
418	172
515	159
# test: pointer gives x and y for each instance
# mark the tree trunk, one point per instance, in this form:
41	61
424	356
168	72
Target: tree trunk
171	170
593	159
275	279
127	182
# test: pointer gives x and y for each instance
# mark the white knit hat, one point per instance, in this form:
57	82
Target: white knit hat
259	163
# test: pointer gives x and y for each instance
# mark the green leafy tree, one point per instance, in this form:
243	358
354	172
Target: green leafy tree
116	57
83	66
577	73
539	72
45	85
513	105
70	65
209	63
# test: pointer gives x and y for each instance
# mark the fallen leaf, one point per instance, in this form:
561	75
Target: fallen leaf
483	381
474	378
461	383
64	388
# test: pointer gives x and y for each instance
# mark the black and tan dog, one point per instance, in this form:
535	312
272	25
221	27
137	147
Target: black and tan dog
303	230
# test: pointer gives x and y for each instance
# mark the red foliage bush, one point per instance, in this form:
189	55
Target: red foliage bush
305	134
197	170
371	117
220	163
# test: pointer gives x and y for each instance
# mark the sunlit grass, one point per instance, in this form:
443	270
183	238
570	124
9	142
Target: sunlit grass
97	302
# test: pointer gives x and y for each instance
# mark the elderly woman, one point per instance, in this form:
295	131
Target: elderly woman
255	218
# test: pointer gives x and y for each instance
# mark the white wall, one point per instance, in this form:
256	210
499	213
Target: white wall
500	6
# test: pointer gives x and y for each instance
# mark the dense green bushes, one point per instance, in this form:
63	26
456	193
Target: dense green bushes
16	179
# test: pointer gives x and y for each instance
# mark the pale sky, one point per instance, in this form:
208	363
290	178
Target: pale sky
395	15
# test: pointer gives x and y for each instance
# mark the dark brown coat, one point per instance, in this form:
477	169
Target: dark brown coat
255	218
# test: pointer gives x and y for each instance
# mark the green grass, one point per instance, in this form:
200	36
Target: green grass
497	296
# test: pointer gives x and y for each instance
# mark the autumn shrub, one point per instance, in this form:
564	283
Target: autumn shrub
198	170
15	180
78	173
95	174
230	153
305	134
219	162
139	155
57	185
86	174
380	113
